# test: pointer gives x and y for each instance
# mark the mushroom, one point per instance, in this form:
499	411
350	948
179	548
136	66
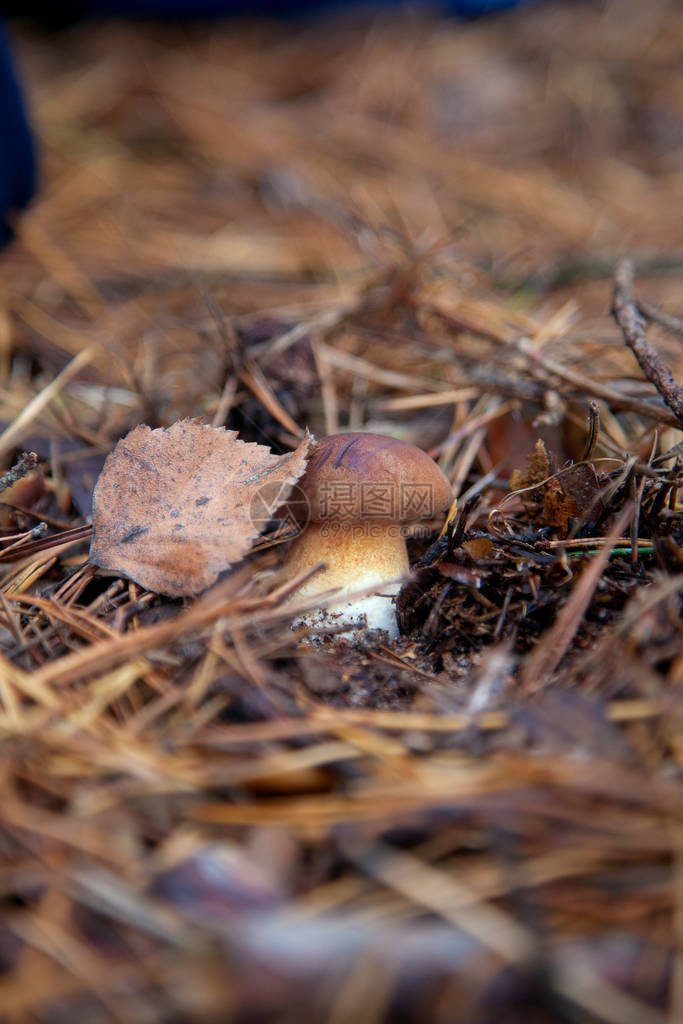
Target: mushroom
361	490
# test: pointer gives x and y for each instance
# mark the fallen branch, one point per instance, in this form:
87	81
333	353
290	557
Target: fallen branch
625	312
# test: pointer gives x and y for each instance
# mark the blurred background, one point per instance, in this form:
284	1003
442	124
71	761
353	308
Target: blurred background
270	164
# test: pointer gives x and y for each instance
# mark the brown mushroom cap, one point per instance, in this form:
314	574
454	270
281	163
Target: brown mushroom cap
361	476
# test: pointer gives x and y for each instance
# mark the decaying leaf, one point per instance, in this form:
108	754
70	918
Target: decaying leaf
479	548
538	469
171	508
555	497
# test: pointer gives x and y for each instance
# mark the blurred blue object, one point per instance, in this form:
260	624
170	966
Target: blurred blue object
17	152
218	8
18	175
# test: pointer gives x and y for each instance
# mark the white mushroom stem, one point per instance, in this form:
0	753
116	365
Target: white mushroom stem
357	556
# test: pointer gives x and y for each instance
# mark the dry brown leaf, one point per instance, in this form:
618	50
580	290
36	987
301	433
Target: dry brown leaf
538	469
555	497
172	507
479	548
542	493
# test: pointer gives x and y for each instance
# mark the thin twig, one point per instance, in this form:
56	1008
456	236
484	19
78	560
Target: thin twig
26	463
547	656
40	402
665	320
587	385
625	312
593	431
